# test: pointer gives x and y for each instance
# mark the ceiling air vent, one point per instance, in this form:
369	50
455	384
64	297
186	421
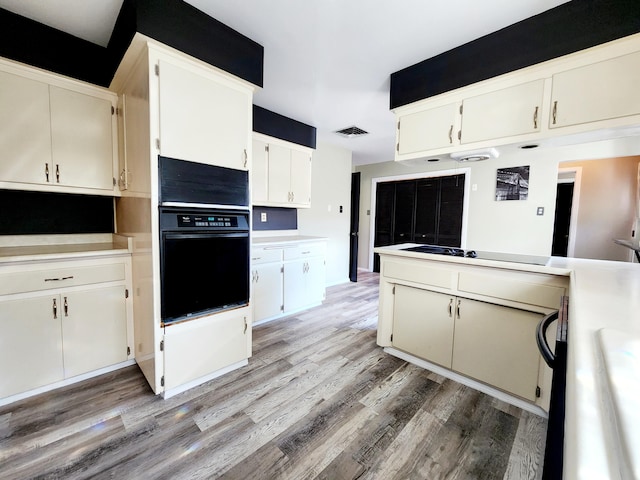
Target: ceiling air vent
351	132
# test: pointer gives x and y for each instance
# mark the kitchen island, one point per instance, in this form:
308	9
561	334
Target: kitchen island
603	295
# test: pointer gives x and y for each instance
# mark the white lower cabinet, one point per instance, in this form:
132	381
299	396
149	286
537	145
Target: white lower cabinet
61	320
423	324
196	349
30	344
494	344
267	290
287	277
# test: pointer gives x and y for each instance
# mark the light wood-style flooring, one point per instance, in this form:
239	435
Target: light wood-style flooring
319	399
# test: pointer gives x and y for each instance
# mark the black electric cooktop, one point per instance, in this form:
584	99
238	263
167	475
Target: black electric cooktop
496	256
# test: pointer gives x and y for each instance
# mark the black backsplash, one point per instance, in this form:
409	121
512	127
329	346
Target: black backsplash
44	213
278	218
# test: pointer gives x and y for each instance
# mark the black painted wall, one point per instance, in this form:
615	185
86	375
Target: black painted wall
568	28
172	22
278	218
278	126
29	213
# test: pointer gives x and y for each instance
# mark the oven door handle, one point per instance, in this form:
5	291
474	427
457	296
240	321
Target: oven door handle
195	235
541	338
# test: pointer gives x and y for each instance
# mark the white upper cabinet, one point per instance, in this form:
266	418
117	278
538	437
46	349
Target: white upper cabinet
259	171
428	129
25	127
281	173
58	134
203	118
511	111
81	139
601	91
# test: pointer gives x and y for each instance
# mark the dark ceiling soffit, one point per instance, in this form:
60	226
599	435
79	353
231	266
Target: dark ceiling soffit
568	28
172	22
285	128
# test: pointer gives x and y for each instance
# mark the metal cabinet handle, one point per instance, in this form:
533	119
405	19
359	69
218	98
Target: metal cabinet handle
554	114
58	279
245	158
245	325
66	307
46	171
458	309
57	173
541	339
535	118
451	134
55	309
450	307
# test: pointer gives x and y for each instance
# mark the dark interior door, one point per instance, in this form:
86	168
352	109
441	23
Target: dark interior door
353	230
427	197
383	235
405	211
450	211
426	210
564	200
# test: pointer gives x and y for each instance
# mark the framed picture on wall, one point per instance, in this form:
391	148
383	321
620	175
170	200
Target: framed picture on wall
512	183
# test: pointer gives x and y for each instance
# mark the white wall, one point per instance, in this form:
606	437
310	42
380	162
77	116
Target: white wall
330	189
606	207
507	226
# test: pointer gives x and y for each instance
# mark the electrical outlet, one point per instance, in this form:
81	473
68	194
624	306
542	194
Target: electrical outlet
540	211
263	216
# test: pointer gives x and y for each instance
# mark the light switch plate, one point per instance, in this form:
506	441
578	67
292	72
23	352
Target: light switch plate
540	211
263	216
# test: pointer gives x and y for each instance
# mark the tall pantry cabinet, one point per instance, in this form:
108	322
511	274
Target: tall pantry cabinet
175	106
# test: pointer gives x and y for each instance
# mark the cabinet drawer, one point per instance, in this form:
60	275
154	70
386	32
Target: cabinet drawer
511	289
59	278
266	255
304	250
437	277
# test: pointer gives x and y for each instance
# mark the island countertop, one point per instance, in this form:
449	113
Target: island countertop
602	295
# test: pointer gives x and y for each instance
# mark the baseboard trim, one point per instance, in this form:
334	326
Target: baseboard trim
469	382
65	382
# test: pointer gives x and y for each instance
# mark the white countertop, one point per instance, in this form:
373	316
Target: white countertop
602	294
262	241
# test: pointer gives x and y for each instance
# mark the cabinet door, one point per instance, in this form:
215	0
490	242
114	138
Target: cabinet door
496	345
427	130
600	91
202	119
300	178
315	280
504	113
404	211
423	324
26	129
81	140
294	285
259	172
279	174
427	206
30	344
267	291
94	329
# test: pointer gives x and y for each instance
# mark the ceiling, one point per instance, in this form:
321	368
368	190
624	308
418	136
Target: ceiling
326	62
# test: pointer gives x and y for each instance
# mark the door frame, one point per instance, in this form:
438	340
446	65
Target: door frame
572	175
417	176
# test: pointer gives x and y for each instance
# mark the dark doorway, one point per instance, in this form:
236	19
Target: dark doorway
425	210
353	229
562	222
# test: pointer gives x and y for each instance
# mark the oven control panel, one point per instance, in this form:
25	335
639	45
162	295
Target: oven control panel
192	219
207	221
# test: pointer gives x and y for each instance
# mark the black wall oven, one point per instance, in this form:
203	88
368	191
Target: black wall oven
204	261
